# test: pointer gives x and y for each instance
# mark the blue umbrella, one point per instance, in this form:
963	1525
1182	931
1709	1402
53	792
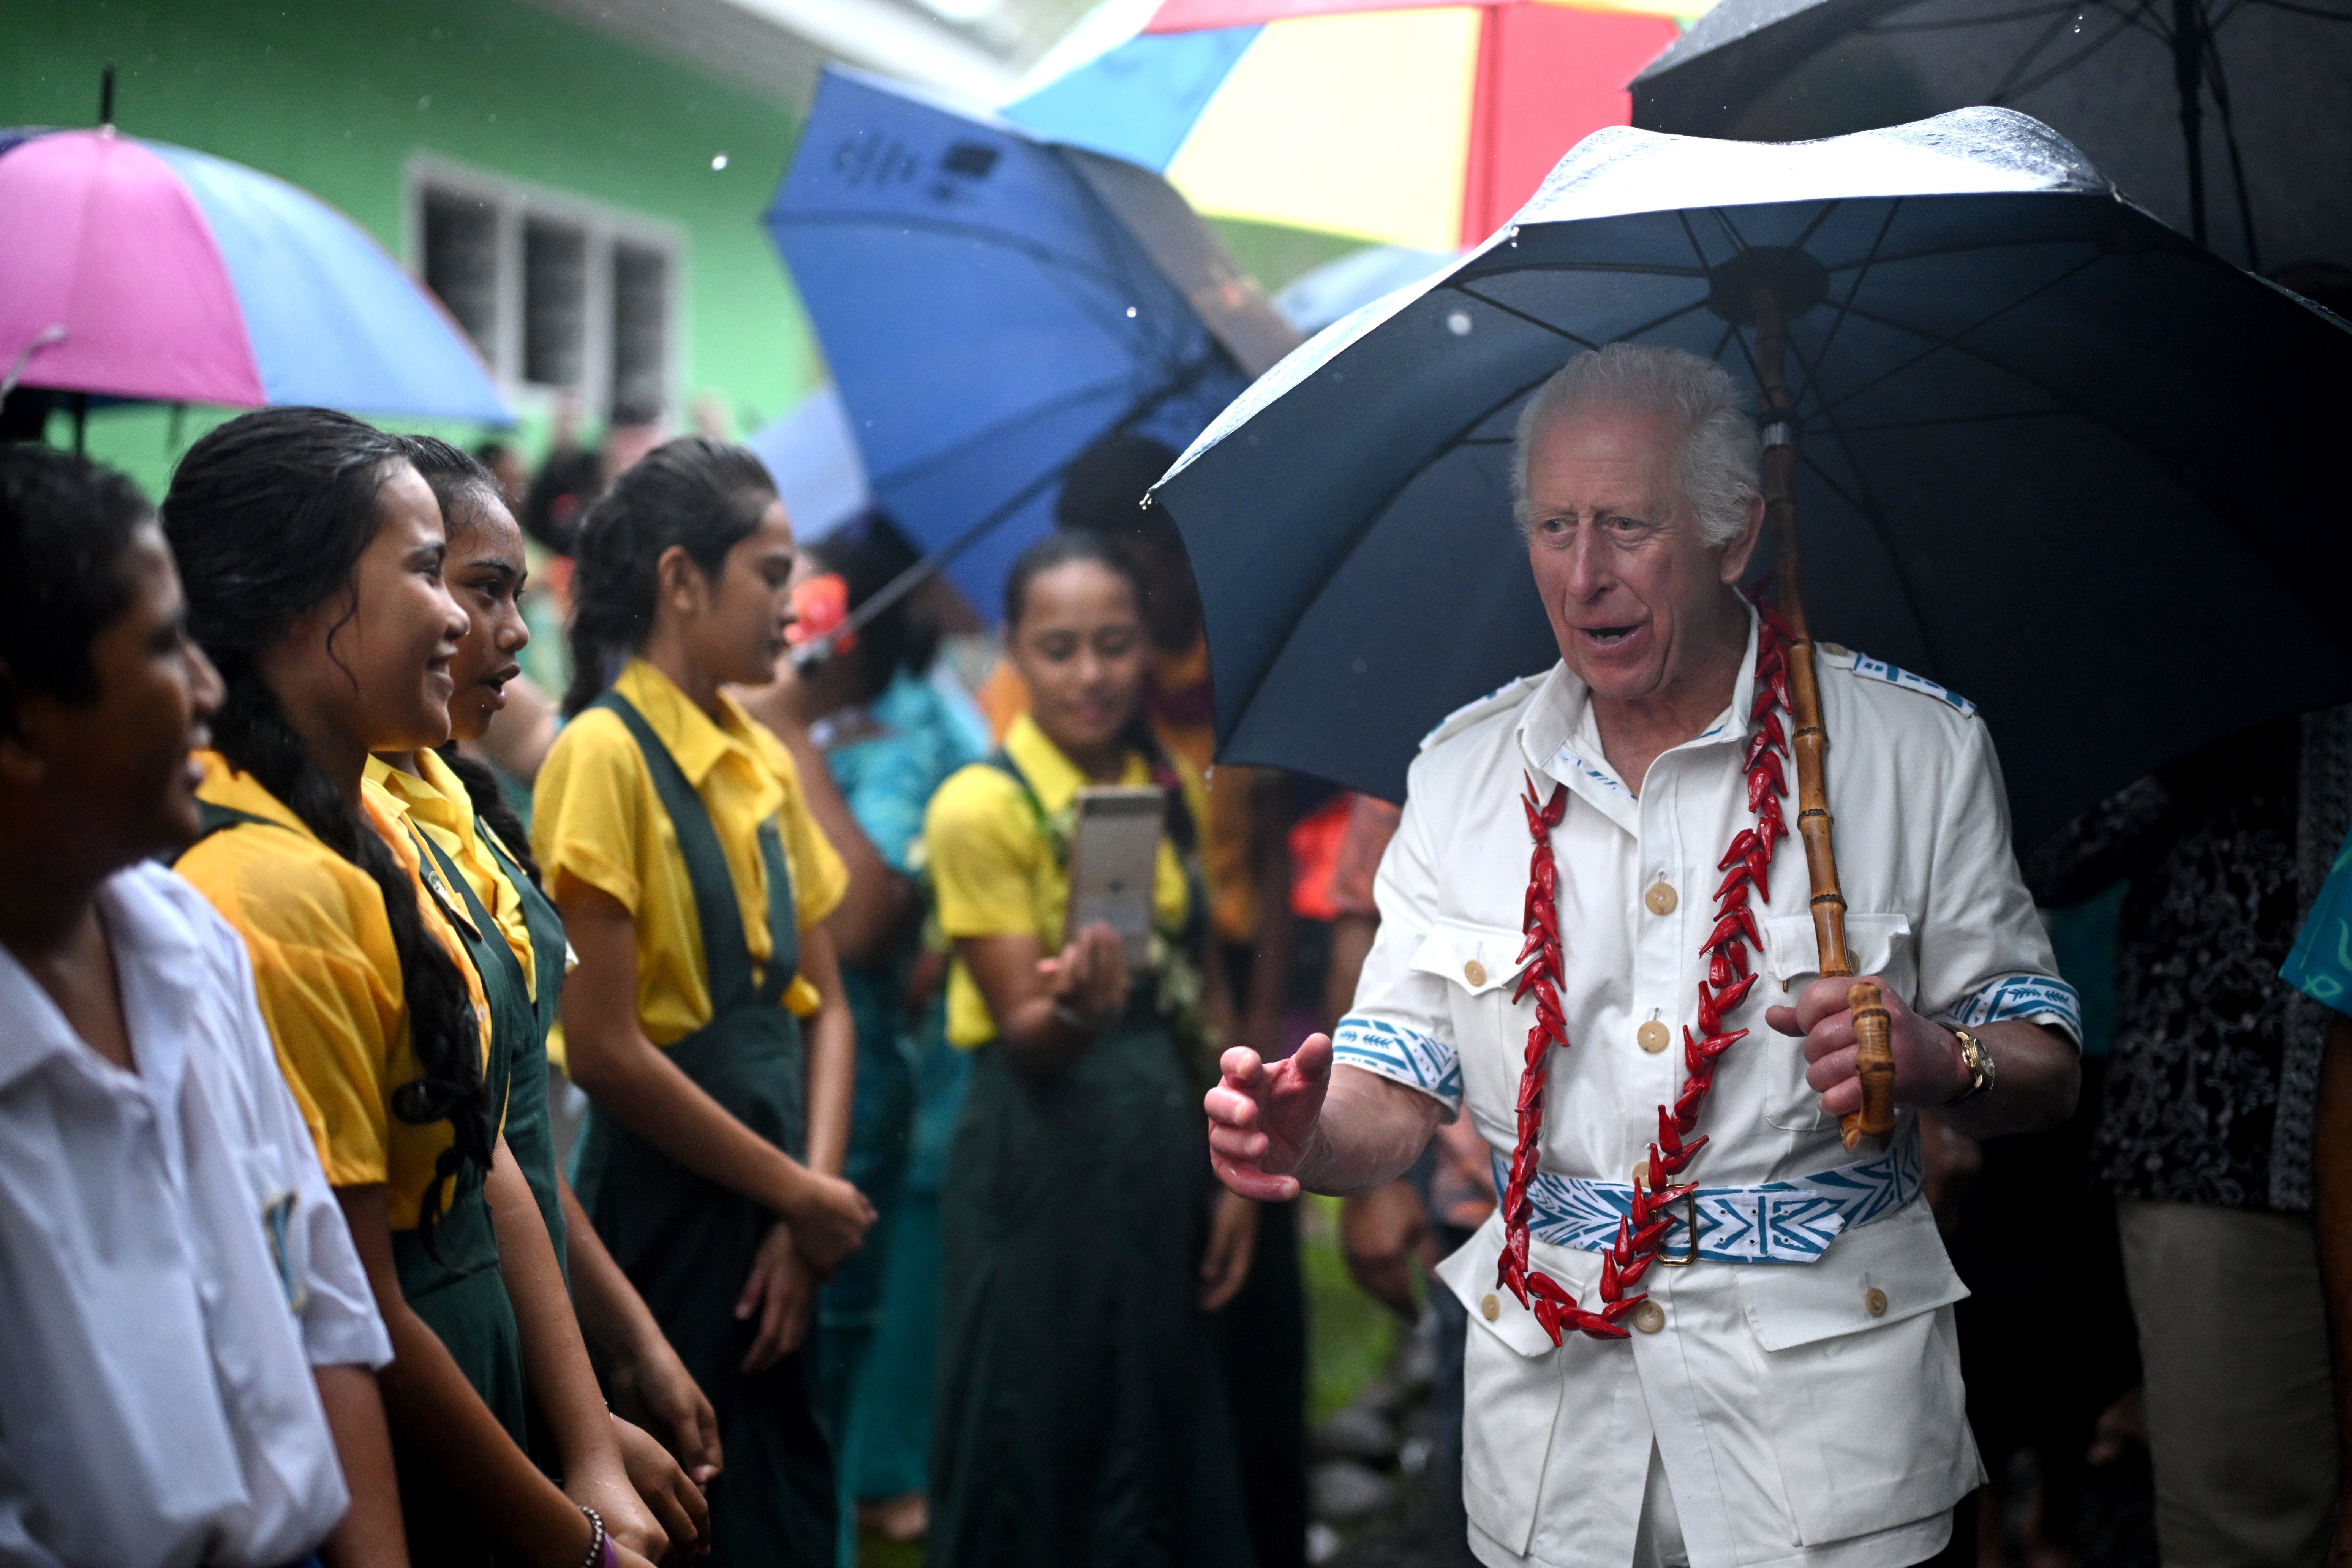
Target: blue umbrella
990	304
2052	455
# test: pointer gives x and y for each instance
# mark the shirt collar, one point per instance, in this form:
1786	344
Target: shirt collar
1560	738
1055	779
156	961
224	786
437	798
696	742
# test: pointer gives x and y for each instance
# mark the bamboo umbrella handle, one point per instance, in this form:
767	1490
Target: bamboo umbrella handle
1874	1061
1809	738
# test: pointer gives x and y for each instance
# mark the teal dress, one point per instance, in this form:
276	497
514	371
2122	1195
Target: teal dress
880	1312
1081	1418
685	1243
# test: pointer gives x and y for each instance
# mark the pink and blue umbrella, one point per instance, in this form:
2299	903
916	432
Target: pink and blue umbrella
139	269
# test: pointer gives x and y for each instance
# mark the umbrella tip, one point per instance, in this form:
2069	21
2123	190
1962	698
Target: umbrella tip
106	98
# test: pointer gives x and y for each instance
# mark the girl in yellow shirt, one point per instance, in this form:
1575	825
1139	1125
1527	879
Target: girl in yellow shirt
693	883
463	823
1081	1417
312	554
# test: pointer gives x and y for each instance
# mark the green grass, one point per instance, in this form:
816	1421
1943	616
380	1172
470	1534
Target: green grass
1351	1338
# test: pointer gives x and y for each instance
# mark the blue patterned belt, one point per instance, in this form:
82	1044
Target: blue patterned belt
1779	1222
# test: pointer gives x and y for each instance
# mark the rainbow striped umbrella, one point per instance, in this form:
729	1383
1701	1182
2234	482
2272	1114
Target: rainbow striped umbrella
1395	121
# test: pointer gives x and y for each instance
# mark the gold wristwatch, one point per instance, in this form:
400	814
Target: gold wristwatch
1979	1061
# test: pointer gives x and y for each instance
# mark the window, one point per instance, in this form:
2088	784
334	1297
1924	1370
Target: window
559	294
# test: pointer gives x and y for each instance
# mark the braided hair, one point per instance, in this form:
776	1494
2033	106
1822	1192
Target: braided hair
1060	549
268	515
466	490
703	495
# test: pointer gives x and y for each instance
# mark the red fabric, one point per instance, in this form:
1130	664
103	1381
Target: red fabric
1547	78
1314	855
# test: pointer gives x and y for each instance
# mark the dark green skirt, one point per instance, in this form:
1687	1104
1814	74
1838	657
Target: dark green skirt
688	1244
462	1297
1081	1415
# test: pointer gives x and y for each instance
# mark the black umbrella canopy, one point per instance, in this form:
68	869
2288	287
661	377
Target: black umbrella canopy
2053	455
2220	116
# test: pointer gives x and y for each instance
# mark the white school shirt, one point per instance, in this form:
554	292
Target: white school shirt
1795	1427
173	1265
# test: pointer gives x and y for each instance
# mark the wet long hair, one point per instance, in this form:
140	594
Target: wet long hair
268	515
64	527
466	490
704	494
1061	548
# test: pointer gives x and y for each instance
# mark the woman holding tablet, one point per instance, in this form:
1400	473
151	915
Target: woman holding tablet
1081	1413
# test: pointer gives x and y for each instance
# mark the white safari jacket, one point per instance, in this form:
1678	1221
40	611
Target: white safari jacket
1807	1411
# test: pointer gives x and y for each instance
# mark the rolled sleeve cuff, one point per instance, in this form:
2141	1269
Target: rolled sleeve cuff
2034	998
1404	1056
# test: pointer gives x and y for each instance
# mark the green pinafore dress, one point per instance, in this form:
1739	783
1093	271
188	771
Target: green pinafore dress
453	1283
519	1028
687	1243
1081	1418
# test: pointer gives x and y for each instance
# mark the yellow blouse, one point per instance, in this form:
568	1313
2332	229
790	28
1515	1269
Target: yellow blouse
329	979
996	875
596	816
438	804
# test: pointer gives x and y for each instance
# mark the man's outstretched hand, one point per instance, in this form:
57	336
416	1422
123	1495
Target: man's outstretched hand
1262	1117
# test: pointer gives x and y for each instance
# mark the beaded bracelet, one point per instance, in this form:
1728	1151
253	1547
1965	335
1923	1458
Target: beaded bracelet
600	1549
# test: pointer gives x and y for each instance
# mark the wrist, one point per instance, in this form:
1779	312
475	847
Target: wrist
1971	1069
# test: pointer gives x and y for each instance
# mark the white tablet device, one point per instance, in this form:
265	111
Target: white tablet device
1115	862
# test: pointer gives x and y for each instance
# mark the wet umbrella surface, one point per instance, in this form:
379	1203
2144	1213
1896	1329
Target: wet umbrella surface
2052	455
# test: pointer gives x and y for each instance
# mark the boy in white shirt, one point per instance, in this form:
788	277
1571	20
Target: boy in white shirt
187	1342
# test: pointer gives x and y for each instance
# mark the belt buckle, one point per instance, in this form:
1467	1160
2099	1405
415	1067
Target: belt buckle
1690	1222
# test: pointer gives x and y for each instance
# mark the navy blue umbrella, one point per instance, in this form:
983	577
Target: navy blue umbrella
991	304
2053	454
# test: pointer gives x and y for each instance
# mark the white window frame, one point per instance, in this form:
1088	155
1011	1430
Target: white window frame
515	202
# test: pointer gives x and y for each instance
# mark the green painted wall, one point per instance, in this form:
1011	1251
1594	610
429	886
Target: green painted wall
336	97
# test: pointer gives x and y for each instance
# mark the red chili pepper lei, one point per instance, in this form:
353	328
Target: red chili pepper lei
1748	864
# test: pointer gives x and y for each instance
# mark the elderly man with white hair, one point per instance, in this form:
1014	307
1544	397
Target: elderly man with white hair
1704	1332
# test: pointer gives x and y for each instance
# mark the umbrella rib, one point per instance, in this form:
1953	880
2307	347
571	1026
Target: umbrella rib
2015	87
1869	260
2066	7
1813	228
2003	88
1533	321
1950	339
1864	504
1338	559
2064	405
1613	268
1953	420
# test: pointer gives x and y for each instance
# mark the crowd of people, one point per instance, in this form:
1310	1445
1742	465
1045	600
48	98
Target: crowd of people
441	1122
889	1203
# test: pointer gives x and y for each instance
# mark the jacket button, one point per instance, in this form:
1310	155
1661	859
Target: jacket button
1653	1036
1649	1317
1491	1308
1873	1302
1474	972
1661	899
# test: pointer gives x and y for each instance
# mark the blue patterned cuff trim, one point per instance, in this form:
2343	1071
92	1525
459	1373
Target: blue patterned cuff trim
1407	1056
2036	998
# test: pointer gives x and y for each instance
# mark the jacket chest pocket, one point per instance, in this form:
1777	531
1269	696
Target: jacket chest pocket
1881	944
1480	965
